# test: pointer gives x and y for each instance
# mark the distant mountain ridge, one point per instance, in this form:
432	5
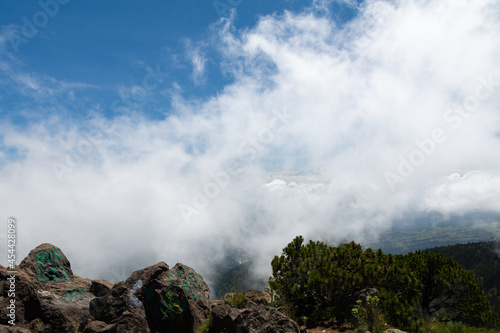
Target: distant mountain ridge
434	230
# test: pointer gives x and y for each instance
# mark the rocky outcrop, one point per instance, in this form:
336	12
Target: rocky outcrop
176	300
14	329
162	299
156	299
123	296
94	326
254	315
127	322
48	294
27	304
101	287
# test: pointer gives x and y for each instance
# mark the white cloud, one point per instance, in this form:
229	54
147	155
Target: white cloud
196	56
458	194
359	100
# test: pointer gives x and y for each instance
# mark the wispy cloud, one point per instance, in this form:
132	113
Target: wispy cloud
43	86
33	86
198	60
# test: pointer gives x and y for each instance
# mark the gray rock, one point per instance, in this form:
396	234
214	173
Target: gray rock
94	326
252	317
176	300
128	322
13	329
27	305
48	293
124	295
101	287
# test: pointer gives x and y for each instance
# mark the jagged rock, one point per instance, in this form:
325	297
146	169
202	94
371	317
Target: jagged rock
146	274
252	317
101	287
128	322
27	305
226	319
47	290
47	263
229	297
94	326
110	306
60	314
13	329
259	297
122	296
176	300
36	325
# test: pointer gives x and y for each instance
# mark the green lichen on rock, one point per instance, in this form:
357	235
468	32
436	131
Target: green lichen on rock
172	307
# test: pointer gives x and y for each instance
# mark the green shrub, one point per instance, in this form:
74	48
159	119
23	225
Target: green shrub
236	299
449	292
315	280
369	315
454	327
205	327
272	292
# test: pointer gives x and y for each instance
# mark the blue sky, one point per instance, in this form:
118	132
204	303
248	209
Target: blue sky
100	47
178	134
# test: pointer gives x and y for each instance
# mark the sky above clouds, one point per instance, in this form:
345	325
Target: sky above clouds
136	132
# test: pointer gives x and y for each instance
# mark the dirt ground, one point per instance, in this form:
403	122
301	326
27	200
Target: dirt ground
335	328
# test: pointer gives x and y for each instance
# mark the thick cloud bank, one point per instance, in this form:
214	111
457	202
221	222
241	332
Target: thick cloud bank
327	131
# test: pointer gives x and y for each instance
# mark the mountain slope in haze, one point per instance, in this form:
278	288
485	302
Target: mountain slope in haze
483	259
434	229
408	235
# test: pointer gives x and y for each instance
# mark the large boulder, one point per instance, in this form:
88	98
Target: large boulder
123	295
48	295
47	263
128	322
110	306
101	287
252	316
176	300
259	297
94	326
166	300
27	304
